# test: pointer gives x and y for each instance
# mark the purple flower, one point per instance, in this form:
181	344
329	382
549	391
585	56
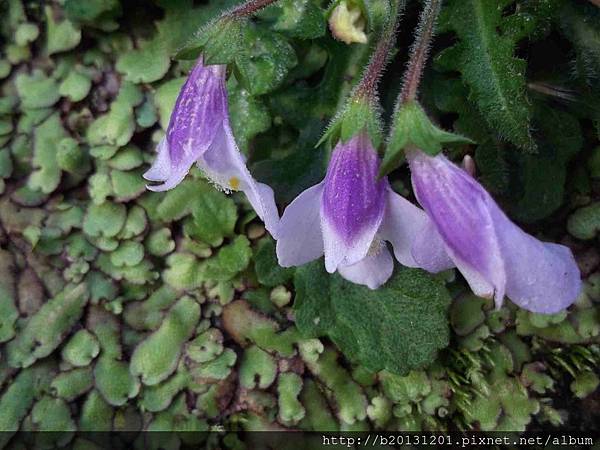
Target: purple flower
349	216
199	131
495	256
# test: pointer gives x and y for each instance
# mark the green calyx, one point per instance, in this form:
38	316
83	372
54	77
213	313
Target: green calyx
219	42
360	114
412	128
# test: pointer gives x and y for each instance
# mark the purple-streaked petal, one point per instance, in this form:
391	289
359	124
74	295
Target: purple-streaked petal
200	109
224	165
299	238
198	115
493	254
457	205
404	224
371	271
353	202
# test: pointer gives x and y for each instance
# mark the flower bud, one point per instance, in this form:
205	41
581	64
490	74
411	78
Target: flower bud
347	23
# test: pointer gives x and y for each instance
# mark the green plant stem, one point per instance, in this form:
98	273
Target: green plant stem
419	51
249	8
367	86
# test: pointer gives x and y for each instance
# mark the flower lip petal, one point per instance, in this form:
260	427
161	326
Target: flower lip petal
493	254
299	238
541	277
164	171
161	167
371	271
429	251
403	226
224	165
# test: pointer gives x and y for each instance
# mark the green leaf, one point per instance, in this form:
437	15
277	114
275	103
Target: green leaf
152	59
26	33
47	138
91	10
398	327
148	64
44	332
114	128
585	222
265	62
105	219
302	19
268	270
213	216
230	260
127	185
61	36
248	114
218	38
36	90
485	56
543	174
155	358
75	86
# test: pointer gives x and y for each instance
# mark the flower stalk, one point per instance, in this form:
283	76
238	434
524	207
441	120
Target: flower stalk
420	51
367	87
361	111
249	8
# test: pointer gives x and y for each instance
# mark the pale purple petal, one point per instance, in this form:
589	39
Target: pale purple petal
371	271
164	170
353	202
541	277
493	254
224	165
404	223
429	251
200	109
299	238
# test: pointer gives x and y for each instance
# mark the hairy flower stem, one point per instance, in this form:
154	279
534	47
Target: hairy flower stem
419	51
249	8
367	86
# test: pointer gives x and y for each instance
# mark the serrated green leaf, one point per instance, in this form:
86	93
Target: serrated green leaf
398	327
265	62
75	86
61	36
230	260
36	90
485	56
302	19
248	115
213	216
219	40
91	10
46	144
543	174
48	327
268	270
